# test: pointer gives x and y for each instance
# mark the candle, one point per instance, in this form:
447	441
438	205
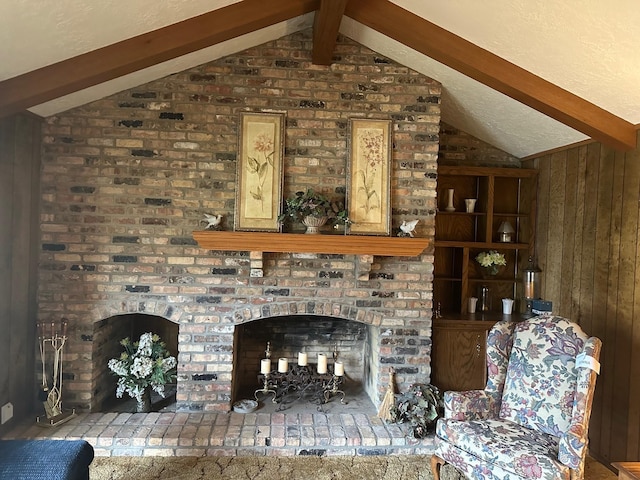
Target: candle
338	369
265	366
283	365
303	359
322	363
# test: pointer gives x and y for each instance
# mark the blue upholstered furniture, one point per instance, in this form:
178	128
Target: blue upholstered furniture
45	459
532	419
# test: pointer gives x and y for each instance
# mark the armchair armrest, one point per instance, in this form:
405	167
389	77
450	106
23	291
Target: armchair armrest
470	405
572	447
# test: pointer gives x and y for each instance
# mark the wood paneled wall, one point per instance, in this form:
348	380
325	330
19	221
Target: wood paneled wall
19	239
587	246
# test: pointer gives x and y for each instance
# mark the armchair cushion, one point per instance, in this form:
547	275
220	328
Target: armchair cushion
517	450
541	376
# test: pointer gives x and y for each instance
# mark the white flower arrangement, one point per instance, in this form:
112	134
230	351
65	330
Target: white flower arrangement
144	364
491	260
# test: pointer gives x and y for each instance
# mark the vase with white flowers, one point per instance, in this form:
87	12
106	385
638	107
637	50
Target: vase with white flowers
144	365
491	262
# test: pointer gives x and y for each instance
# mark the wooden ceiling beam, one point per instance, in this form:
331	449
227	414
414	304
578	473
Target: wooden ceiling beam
98	66
493	71
325	30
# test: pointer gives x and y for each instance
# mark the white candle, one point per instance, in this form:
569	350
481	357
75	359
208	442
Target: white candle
322	363
265	366
303	359
283	365
338	369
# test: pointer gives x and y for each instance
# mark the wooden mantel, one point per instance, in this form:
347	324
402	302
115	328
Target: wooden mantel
302	243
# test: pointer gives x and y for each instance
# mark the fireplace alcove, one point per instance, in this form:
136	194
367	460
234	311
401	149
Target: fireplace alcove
106	345
313	334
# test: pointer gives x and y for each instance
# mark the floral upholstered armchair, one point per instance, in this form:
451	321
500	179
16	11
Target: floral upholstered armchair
531	420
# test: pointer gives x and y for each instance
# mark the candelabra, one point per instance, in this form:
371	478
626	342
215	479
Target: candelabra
52	337
265	369
332	389
265	389
301	382
336	378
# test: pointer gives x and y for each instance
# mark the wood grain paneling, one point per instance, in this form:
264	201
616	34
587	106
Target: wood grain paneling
587	246
19	193
6	216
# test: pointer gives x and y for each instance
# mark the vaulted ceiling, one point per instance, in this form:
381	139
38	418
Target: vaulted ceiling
523	76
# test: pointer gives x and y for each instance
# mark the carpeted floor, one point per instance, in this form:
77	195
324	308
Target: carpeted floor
415	467
262	468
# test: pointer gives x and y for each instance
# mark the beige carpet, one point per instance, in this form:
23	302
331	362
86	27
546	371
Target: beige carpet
262	468
415	467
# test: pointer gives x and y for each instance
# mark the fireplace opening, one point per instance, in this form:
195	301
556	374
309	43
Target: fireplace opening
107	335
349	341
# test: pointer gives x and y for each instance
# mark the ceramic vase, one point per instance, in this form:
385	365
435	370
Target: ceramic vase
144	405
450	207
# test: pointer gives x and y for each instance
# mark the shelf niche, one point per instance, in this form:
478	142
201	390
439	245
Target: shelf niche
502	194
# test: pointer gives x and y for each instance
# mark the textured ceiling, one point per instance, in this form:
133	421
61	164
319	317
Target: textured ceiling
582	46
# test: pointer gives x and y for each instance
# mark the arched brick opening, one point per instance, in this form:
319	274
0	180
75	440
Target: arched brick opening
109	331
314	327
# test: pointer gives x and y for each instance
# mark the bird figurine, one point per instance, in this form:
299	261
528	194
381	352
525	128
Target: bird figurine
214	222
407	228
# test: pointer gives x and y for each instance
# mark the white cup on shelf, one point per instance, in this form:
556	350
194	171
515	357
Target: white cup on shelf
473	301
507	306
470	204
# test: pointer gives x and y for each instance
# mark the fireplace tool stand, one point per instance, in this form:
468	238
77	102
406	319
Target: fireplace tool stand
52	338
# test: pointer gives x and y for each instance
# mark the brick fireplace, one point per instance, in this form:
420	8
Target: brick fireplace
126	181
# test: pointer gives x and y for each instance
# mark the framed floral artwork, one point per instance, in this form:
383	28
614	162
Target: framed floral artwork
368	170
259	172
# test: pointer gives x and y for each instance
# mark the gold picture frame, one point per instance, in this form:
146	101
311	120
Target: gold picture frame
369	177
259	172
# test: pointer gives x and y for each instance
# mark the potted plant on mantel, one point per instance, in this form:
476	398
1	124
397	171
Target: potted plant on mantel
314	210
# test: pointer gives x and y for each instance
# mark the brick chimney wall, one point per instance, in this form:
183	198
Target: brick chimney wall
127	179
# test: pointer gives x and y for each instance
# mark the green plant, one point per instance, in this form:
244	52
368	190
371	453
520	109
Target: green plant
144	364
312	203
421	406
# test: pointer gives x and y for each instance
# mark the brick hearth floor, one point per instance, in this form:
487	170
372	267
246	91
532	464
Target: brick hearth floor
199	434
